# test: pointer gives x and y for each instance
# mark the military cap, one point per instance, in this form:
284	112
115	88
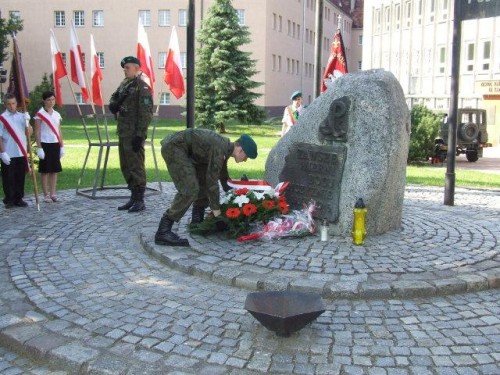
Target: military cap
296	95
130	59
248	145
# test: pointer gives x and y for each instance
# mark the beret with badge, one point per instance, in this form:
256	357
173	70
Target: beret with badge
130	59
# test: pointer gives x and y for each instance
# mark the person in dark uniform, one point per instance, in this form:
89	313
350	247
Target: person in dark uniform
196	159
132	104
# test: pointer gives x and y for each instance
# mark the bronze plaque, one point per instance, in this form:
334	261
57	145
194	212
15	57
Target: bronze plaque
314	173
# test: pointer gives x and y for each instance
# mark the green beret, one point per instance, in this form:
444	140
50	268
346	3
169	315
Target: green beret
130	59
248	145
295	95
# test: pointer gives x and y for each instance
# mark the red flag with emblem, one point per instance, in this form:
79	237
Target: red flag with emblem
337	62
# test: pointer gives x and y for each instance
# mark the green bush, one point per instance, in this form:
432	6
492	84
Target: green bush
424	129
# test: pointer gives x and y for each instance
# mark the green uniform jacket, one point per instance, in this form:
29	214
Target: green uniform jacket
135	102
208	151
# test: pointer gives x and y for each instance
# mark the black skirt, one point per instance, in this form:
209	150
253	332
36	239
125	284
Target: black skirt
52	161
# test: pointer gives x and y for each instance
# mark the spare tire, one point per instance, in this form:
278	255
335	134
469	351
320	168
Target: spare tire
469	131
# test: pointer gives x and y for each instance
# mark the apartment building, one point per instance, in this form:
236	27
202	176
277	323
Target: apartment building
413	40
282	40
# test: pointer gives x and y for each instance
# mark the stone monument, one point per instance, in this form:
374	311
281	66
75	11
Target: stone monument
351	142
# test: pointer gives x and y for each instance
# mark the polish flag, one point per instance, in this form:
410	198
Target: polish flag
58	68
173	67
337	63
144	56
77	65
96	74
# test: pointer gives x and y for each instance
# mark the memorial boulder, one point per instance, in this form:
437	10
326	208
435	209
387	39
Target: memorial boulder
351	142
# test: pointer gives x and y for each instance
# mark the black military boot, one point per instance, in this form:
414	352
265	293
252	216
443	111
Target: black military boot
164	235
197	214
138	204
129	204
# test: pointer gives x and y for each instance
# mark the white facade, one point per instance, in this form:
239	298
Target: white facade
282	39
413	40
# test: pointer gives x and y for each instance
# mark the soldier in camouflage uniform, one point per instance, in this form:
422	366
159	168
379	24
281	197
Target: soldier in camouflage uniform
196	159
132	104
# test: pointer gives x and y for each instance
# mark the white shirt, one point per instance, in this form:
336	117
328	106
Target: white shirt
46	133
18	123
287	119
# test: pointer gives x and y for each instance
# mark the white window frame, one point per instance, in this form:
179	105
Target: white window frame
469	57
97	18
59	18
241	17
100	57
275	21
182	18
441	59
162	56
184	60
79	98
145	17
485	60
164	18
79	18
165	98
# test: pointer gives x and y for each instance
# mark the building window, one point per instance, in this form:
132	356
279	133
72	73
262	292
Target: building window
165	98
442	59
360	40
162	56
419	11
275	21
407	11
274	62
288	65
63	56
289	28
100	57
377	20
59	18
183	17
97	18
280	24
294	27
14	14
79	18
387	18
241	16
298	31
469	57
444	10
279	63
360	64
183	60
79	98
164	17
297	67
485	64
432	10
397	15
145	17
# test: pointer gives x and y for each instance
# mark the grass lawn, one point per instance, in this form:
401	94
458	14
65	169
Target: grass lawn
266	136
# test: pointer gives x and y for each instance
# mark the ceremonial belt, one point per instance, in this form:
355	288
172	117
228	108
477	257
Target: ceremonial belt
16	139
51	126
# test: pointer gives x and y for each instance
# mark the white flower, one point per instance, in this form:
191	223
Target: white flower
259	196
240	200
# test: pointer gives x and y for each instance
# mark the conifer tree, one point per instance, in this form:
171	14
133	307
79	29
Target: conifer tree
223	72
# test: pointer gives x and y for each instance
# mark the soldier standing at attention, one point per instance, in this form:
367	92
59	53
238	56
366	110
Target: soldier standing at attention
132	104
195	159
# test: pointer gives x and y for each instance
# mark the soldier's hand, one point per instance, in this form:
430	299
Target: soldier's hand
137	143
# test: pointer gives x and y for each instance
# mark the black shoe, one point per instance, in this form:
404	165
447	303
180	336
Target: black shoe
9	205
165	237
126	206
197	215
21	203
137	206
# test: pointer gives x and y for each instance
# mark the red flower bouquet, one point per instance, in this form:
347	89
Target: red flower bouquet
243	206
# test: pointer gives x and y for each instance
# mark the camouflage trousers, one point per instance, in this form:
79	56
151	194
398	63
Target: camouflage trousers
132	163
189	181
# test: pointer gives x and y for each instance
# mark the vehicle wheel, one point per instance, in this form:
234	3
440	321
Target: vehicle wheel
471	155
469	131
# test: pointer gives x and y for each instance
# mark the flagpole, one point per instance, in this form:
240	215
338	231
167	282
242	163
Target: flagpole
28	135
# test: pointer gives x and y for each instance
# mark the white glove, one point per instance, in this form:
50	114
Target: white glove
27	116
40	153
5	158
61	152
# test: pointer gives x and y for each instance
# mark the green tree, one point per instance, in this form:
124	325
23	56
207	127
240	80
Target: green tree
223	72
35	95
424	130
7	28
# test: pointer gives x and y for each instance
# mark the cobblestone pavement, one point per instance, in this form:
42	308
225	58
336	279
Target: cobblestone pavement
85	290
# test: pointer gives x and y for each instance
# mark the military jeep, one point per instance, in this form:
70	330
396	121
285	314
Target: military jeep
472	135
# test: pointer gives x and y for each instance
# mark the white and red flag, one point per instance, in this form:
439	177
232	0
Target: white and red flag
95	74
144	56
173	67
58	67
77	64
337	63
